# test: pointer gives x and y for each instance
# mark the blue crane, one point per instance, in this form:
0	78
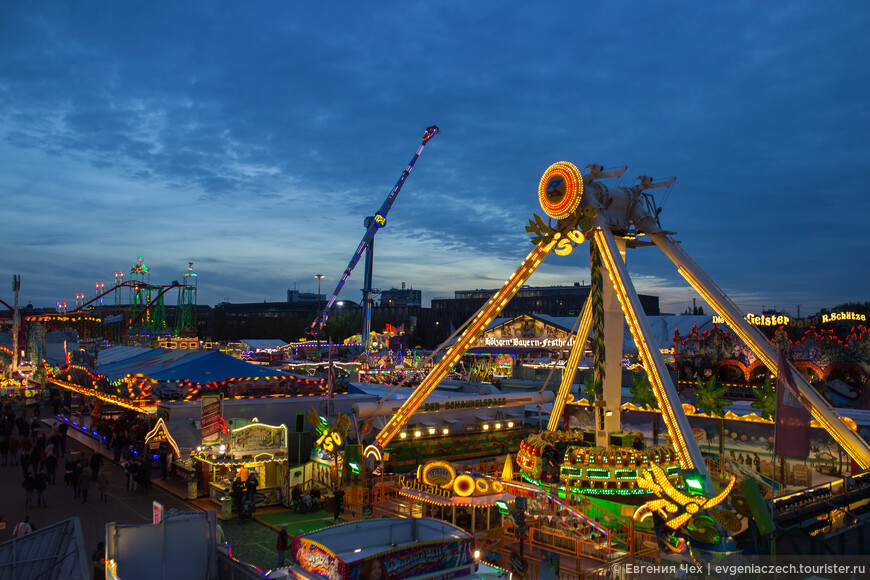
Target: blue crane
372	225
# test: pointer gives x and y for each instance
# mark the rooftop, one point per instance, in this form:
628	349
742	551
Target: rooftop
355	541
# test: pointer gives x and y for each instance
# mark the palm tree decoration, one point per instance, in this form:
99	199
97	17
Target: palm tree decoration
590	388
709	399
765	401
642	396
641	392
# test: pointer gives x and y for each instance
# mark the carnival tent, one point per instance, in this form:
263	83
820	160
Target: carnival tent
164	364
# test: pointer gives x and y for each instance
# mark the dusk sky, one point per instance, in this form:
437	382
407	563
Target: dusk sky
254	138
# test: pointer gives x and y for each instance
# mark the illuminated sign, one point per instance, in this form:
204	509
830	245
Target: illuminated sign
838	316
560	190
329	439
256	438
465	404
767	320
566	245
763	320
530	342
439	473
424	487
161	434
778	320
439	477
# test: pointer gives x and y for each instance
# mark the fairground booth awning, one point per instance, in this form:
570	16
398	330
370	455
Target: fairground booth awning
163	364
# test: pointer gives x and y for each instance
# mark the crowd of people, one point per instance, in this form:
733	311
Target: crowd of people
244	492
23	442
41	451
305	501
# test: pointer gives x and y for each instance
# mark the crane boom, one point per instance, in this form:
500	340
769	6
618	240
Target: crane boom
379	221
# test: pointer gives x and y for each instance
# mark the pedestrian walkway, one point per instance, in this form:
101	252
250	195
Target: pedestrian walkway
122	506
251	541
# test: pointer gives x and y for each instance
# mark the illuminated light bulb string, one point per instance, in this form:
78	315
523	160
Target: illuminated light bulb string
648	360
472	333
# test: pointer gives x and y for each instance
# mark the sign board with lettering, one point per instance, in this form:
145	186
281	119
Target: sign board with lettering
783	320
257	438
211	416
425	559
528	332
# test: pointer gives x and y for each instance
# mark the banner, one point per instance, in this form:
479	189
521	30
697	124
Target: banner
211	416
792	437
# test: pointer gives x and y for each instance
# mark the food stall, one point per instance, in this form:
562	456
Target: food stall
259	448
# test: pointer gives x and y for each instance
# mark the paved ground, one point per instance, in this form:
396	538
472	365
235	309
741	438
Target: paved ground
252	541
123	506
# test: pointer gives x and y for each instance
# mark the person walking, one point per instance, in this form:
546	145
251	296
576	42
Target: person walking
4	450
103	485
282	545
26	448
51	467
164	464
84	485
54	441
34	428
237	493
23	527
96	463
29	485
39	483
62	430
133	475
76	476
14	446
145	469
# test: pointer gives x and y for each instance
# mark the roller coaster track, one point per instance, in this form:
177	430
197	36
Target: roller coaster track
83	309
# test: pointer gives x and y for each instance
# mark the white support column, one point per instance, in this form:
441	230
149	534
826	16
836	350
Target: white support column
614	324
672	410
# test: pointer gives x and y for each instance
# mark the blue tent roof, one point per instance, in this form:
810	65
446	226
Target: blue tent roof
164	364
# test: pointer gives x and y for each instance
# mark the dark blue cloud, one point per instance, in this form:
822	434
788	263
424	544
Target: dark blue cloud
277	128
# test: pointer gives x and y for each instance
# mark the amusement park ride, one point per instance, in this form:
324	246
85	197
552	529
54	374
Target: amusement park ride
372	225
672	482
143	316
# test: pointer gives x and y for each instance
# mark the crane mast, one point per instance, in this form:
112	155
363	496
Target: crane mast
372	224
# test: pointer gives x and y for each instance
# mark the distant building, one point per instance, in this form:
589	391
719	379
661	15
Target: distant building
558	301
297	296
230	311
401	297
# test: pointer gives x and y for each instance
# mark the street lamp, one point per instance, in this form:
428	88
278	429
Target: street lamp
317	330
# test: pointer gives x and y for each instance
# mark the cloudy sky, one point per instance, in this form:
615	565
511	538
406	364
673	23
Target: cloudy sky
253	139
